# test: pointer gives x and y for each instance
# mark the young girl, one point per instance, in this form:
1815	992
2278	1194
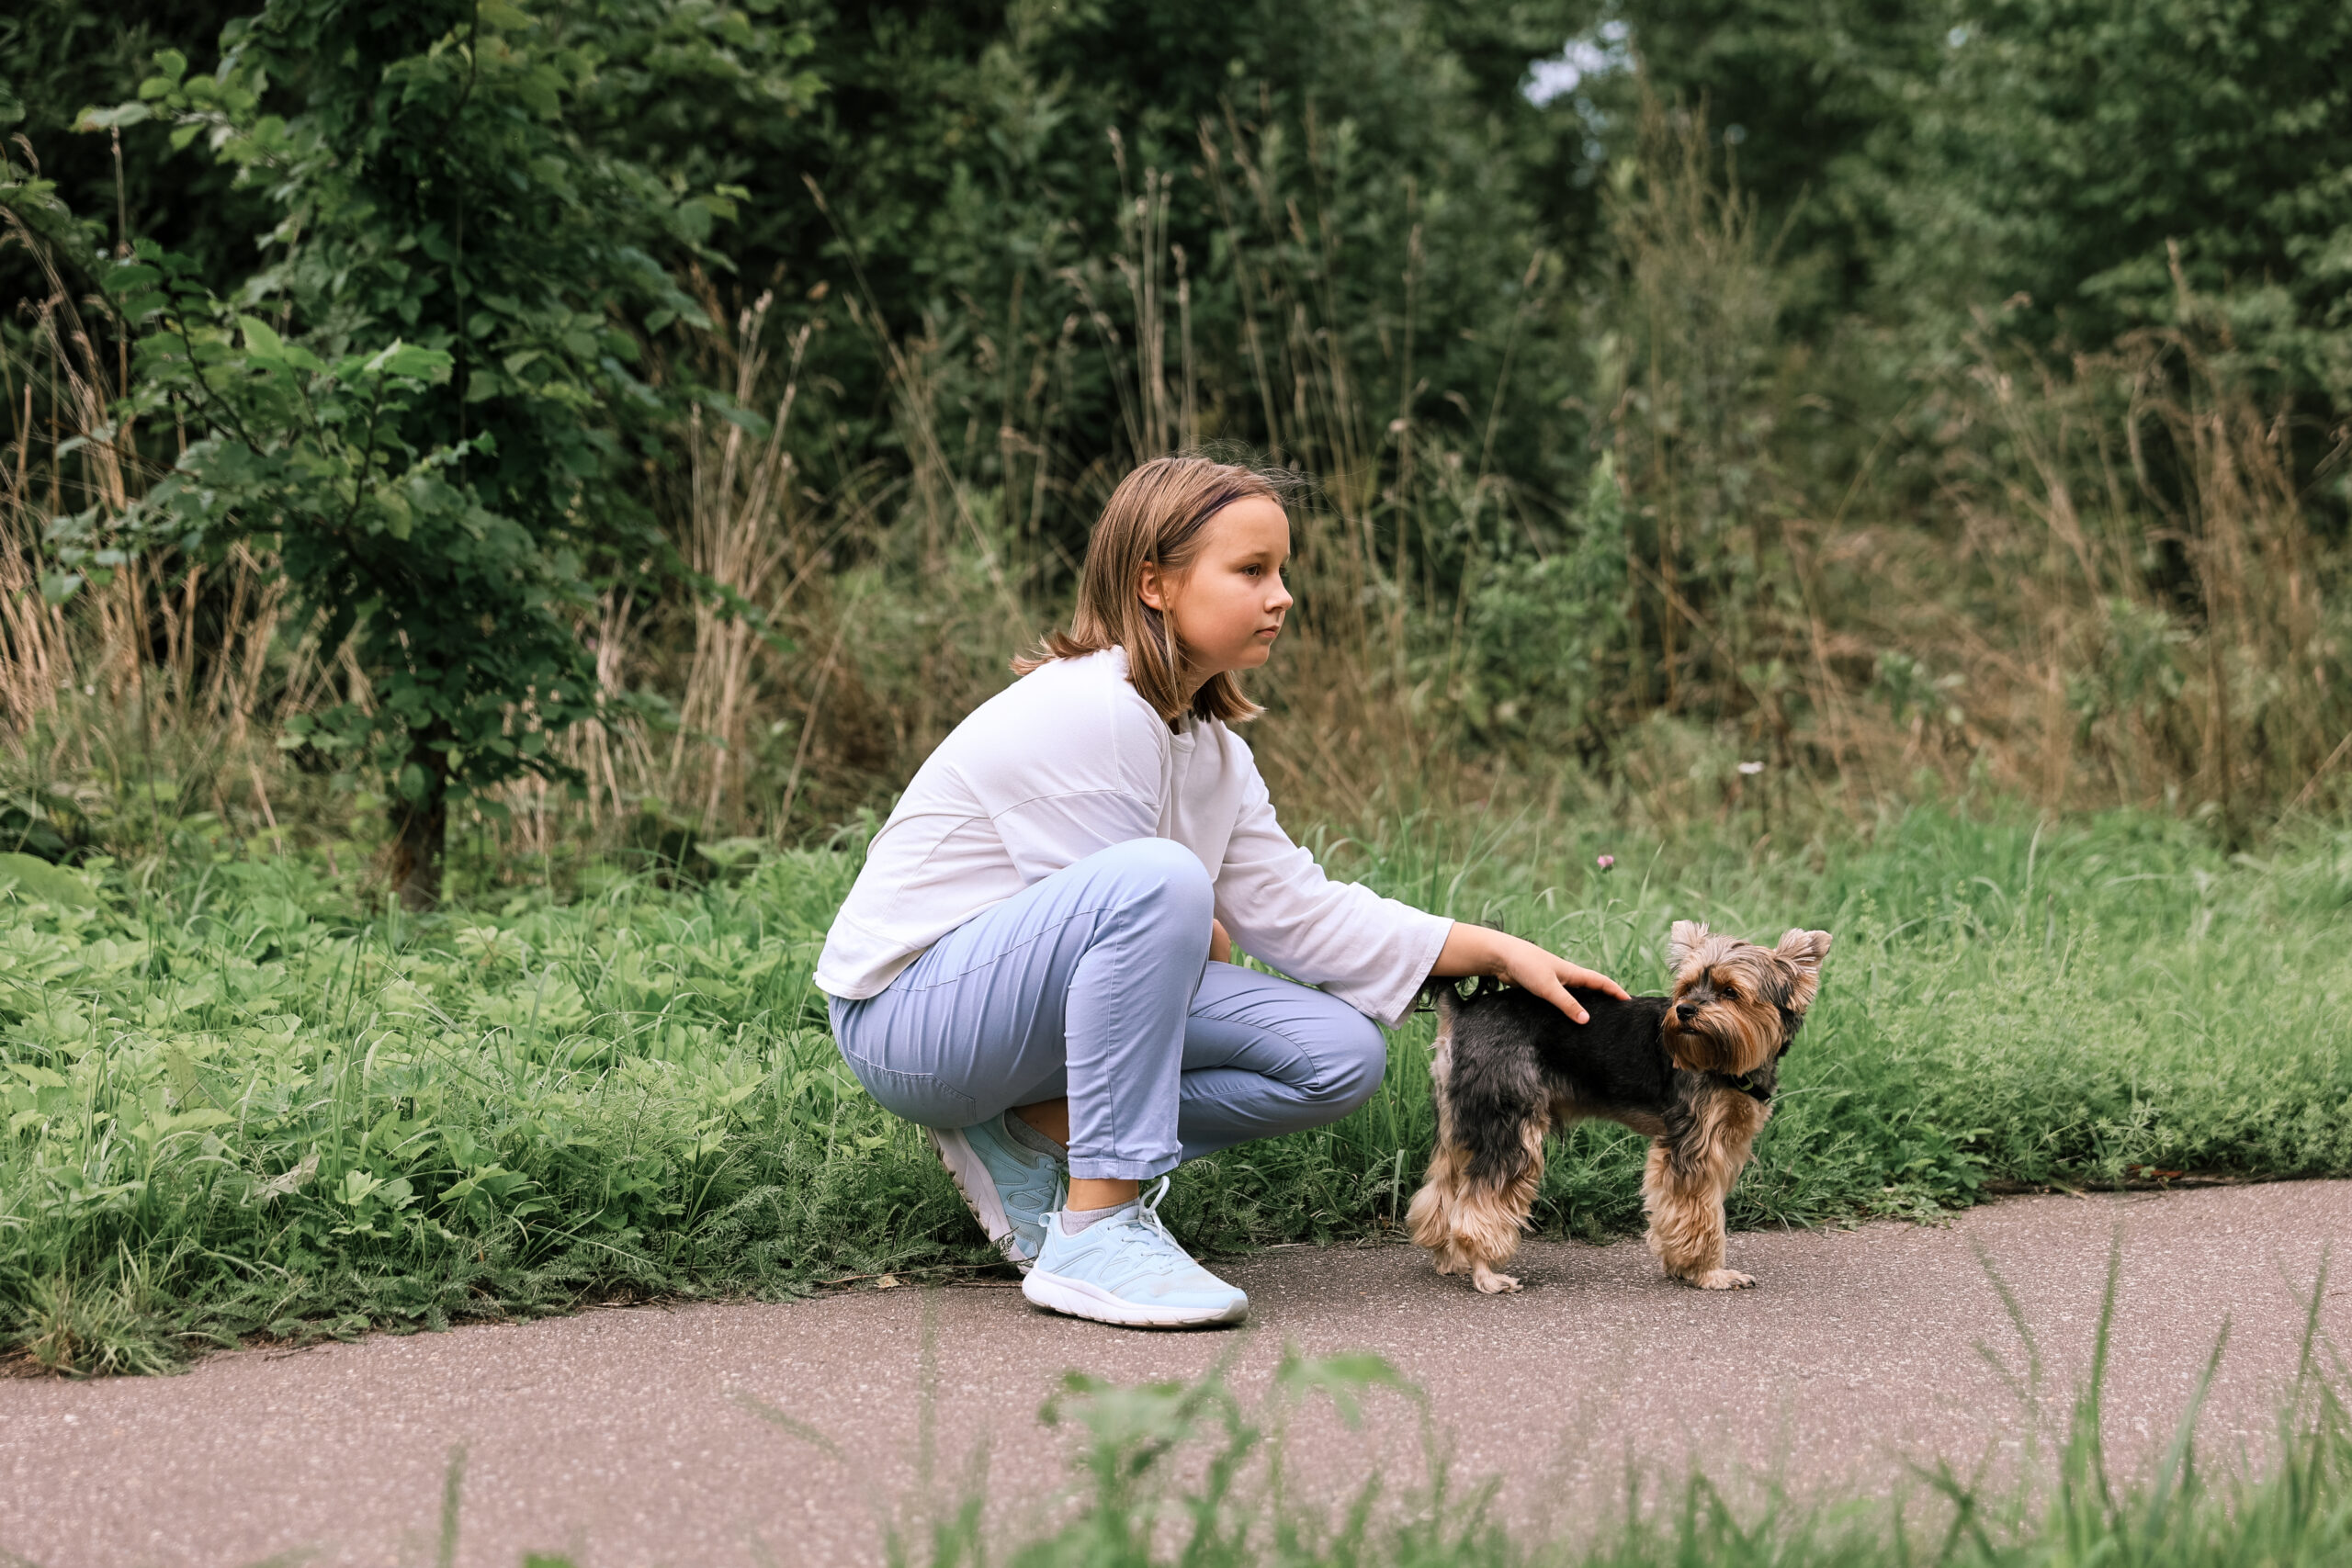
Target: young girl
1032	962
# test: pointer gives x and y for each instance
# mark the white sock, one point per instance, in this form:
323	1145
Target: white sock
1075	1221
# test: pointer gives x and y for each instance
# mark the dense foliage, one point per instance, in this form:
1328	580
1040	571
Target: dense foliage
1447	255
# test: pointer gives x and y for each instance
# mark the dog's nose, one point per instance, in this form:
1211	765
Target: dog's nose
1686	1011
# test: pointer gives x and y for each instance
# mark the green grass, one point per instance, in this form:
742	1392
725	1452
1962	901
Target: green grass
233	1105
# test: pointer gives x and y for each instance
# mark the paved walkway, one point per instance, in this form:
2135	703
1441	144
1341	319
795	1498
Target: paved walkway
620	1435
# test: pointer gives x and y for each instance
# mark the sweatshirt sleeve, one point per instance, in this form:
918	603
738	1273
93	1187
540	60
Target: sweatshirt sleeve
1373	953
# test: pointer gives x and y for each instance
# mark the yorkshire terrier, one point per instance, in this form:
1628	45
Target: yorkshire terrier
1695	1071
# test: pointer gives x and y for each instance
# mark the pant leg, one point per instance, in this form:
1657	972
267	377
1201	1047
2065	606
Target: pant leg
1078	984
1264	1056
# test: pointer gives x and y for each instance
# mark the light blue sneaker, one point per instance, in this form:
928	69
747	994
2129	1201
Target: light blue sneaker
1128	1270
1008	1186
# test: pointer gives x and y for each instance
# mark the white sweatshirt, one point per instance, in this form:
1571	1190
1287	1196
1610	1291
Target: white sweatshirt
1069	760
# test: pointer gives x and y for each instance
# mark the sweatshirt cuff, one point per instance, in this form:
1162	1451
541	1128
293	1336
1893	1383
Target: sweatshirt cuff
1390	1013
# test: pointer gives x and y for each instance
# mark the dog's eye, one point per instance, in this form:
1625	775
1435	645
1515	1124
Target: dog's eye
1728	993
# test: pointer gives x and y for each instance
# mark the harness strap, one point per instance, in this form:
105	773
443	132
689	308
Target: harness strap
1747	1085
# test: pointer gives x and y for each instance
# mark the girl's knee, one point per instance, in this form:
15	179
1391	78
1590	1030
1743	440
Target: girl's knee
1164	874
1355	1057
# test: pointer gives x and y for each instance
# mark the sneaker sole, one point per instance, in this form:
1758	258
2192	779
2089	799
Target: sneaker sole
972	1179
1060	1293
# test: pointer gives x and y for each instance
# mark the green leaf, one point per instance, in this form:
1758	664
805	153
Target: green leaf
356	1185
409	359
114	118
399	520
42	883
259	339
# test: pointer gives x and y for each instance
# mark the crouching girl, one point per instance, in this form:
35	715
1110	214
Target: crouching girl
1032	962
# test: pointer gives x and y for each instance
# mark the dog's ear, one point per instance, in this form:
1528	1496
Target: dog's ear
1802	952
1683	941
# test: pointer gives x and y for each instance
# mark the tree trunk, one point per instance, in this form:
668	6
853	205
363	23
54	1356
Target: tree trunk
420	831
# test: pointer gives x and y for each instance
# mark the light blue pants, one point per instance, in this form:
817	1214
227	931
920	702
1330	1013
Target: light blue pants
1094	983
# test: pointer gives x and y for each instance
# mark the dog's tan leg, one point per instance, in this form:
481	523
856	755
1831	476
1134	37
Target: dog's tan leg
1684	1185
1491	1216
1430	1221
1470	1224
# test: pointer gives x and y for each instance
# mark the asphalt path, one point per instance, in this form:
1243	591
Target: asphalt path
628	1436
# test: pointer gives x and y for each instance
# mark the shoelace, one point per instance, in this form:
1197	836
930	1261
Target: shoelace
1156	1242
1148	1211
1155	1245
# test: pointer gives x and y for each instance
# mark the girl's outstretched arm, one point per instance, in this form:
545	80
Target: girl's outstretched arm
1475	949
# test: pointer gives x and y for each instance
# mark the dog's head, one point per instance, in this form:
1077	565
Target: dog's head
1736	1005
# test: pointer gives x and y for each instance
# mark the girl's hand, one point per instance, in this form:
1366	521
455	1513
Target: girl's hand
1475	950
1220	944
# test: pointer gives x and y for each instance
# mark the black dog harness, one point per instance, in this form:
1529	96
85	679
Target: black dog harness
1747	1085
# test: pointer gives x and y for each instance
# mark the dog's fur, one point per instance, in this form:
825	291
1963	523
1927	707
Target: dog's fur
1695	1071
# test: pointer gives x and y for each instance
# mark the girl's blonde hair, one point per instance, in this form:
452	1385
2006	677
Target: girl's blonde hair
1157	516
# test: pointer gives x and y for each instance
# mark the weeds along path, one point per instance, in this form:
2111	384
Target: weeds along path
630	1436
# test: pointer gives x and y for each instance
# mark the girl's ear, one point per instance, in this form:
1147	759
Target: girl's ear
1151	588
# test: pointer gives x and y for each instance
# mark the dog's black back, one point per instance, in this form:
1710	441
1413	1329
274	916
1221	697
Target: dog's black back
1515	1057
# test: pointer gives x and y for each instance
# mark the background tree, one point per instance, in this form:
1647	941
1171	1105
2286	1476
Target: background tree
2066	146
425	401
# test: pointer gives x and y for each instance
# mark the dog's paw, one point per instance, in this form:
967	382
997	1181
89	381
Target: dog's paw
1491	1284
1722	1280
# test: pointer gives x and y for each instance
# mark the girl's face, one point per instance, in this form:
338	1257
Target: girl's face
1228	609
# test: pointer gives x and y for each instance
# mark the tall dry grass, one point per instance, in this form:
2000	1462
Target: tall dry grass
159	690
2139	603
743	528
